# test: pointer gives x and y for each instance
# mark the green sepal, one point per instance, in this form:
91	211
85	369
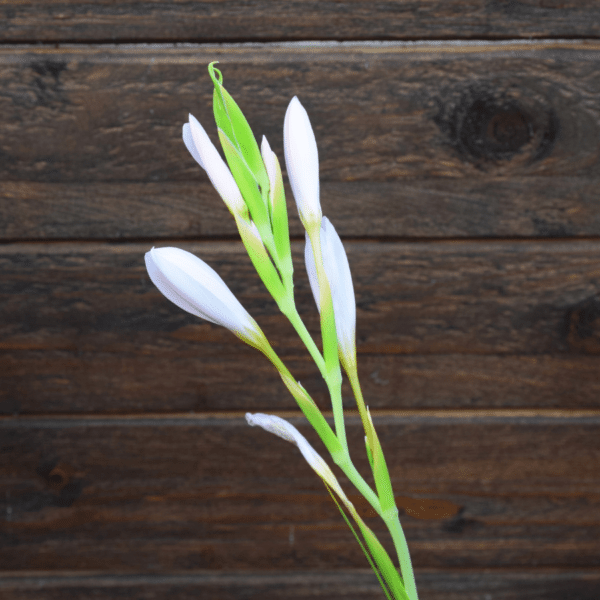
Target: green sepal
369	454
248	187
329	336
231	121
328	332
279	222
261	260
382	476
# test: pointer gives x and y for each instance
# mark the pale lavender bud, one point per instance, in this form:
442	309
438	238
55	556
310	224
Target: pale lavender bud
339	277
302	162
191	284
207	156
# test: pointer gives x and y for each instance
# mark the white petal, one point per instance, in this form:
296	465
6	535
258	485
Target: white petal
287	431
268	160
196	288
188	140
268	157
216	168
275	425
302	161
340	282
311	269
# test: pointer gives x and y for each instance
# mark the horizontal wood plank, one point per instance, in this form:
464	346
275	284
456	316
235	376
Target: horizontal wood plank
184	493
415	140
353	585
263	20
444	324
190	377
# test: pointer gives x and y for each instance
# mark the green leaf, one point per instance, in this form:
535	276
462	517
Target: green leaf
231	121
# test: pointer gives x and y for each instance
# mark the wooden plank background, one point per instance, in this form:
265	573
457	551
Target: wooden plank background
459	146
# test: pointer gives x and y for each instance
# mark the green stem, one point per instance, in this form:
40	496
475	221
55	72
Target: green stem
391	520
359	483
342	459
393	524
332	379
291	312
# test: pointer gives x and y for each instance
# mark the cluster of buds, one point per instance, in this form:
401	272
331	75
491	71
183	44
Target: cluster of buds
250	183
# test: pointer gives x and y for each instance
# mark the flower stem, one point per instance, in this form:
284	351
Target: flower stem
333	379
291	312
393	524
341	458
391	518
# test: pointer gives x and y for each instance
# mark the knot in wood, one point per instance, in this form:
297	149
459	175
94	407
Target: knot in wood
58	477
583	326
491	126
493	129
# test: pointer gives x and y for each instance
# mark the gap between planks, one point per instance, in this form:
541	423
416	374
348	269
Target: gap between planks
237	418
380	46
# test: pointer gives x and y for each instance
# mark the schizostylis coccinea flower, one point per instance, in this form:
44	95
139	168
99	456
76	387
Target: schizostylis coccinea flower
191	284
302	162
288	432
339	277
207	156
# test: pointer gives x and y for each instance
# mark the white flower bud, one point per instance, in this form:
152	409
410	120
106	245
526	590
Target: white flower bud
302	162
288	432
339	277
195	287
208	157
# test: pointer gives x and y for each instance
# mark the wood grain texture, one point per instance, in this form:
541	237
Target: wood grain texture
264	20
446	324
340	585
427	141
183	493
126	467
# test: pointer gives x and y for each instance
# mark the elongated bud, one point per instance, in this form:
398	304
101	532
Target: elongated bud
302	162
278	211
339	277
207	156
191	284
288	432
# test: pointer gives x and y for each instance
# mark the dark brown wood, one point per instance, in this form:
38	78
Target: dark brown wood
126	466
269	20
341	585
434	140
445	324
183	493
